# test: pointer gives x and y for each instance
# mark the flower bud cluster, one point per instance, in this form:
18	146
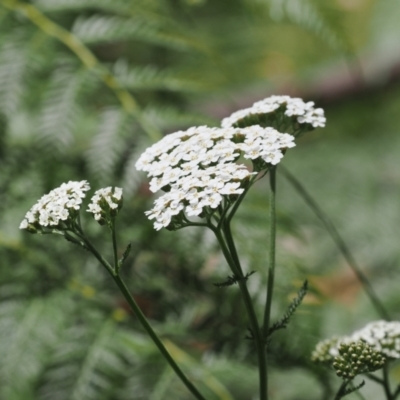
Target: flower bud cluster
293	108
105	204
357	358
197	169
57	209
380	337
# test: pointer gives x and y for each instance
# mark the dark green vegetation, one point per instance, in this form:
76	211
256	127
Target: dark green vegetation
72	110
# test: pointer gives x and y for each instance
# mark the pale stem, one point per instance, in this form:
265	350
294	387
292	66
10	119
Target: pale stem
339	241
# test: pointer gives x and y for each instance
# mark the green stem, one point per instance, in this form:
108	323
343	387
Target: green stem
375	378
114	242
240	199
232	259
386	383
396	392
340	243
339	393
94	251
272	239
138	312
128	297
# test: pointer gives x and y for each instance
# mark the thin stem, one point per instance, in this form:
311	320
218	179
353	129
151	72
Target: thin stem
94	251
232	259
138	312
128	297
386	383
114	242
339	393
359	395
240	199
375	379
272	239
396	392
339	241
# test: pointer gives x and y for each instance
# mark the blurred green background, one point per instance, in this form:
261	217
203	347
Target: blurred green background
86	85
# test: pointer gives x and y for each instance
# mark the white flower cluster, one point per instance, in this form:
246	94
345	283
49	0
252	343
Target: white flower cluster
305	112
56	206
197	167
105	201
382	336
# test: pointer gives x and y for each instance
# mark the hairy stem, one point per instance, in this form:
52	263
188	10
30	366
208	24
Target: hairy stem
340	243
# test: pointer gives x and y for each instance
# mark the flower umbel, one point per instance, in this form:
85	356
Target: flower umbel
197	169
282	112
105	204
382	336
57	209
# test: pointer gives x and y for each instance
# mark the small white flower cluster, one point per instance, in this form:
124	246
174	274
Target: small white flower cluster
382	336
56	206
104	202
197	167
305	112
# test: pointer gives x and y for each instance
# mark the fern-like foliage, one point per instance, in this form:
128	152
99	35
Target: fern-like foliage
89	364
152	78
108	145
13	64
29	331
312	16
283	322
60	110
100	28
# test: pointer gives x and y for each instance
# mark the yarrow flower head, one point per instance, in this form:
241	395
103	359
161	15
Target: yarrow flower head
105	204
198	171
281	112
57	209
380	337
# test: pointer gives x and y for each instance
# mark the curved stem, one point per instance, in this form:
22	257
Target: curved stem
339	241
114	272
131	301
232	259
271	267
